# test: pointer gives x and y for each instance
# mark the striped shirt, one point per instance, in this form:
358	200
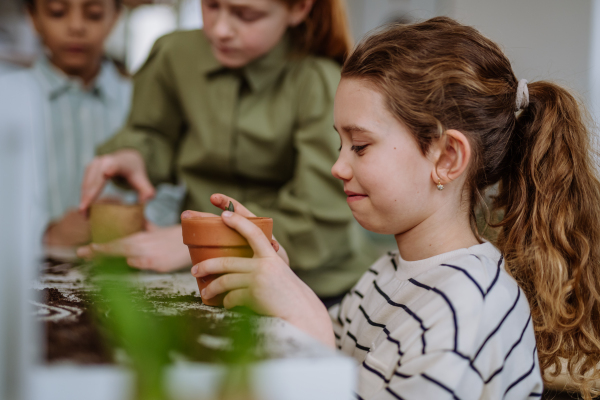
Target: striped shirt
75	121
454	326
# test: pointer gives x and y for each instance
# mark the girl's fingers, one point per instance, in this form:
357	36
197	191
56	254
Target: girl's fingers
222	201
189	214
137	262
150	227
275	245
238	297
110	249
126	247
123	247
85	252
224	265
226	283
92	185
140	182
257	239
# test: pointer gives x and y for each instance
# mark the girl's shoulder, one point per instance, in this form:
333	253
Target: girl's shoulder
313	82
478	270
477	289
310	68
182	48
183	40
471	281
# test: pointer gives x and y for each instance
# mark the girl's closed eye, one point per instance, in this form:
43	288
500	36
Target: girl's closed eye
249	15
359	149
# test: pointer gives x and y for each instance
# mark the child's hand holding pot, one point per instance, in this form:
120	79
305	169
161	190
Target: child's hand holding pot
222	201
264	283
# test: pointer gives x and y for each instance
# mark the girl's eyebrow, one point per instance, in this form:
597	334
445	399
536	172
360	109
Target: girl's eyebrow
244	7
352	128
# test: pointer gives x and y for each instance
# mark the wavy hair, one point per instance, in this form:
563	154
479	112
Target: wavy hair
439	75
325	32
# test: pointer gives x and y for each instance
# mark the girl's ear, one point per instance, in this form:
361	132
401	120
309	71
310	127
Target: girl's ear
450	155
300	11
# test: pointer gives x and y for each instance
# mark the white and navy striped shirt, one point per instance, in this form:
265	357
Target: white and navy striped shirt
454	326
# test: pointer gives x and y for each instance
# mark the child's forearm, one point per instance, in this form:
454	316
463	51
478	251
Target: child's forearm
312	317
319	327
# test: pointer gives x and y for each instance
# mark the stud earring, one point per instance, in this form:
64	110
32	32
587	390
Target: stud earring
439	185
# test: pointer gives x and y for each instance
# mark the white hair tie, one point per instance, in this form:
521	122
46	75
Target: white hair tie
522	95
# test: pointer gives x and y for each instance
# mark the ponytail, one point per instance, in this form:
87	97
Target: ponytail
325	32
550	233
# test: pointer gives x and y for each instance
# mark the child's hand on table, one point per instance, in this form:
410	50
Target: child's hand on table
72	229
265	283
160	249
157	249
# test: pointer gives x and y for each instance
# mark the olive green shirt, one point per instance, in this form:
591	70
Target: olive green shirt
262	135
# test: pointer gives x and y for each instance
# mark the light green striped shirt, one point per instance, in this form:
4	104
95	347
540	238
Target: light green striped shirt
76	120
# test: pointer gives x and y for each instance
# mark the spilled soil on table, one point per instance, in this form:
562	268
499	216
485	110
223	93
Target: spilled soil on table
76	338
77	327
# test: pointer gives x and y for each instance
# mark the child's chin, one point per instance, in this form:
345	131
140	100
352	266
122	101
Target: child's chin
368	225
73	65
229	60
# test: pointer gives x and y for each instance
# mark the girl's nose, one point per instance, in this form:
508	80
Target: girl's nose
223	28
341	169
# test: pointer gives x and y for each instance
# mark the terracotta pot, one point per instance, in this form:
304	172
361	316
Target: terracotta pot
114	221
209	237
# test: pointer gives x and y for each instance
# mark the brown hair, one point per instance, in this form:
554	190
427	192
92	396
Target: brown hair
325	31
439	75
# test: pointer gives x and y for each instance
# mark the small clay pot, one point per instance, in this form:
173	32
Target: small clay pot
115	221
209	237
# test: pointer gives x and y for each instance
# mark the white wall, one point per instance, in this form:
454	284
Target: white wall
368	14
544	39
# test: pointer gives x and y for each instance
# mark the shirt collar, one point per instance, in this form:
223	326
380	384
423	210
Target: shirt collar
55	82
260	72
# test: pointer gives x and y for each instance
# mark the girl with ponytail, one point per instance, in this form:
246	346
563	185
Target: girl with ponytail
430	116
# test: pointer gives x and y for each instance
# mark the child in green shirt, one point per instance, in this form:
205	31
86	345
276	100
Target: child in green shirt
244	108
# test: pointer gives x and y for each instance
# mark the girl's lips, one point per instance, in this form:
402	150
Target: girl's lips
352	196
356	197
225	50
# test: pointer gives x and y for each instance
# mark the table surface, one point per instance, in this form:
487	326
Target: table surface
297	366
284	340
